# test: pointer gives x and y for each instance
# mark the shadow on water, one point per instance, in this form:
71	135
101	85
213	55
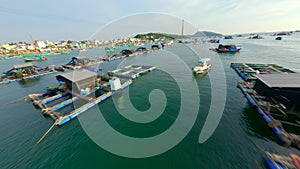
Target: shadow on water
254	125
29	82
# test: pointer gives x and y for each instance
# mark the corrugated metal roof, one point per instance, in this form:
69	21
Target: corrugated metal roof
22	65
288	80
78	75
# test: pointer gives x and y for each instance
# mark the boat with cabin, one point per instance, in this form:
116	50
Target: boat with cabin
35	58
202	67
227	49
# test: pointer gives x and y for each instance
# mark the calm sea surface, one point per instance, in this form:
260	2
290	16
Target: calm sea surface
238	142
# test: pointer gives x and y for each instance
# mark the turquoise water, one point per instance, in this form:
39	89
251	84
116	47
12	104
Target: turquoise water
238	142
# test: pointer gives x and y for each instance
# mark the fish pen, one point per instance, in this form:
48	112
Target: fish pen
275	95
79	86
125	53
131	72
23	72
246	70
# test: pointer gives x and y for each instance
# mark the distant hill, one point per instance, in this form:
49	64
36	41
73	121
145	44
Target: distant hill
205	34
152	36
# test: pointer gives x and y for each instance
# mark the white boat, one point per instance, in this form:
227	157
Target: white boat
202	67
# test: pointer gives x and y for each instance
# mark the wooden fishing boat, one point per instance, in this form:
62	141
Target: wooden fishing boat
227	49
35	58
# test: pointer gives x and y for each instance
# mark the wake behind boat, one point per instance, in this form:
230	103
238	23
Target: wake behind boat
202	67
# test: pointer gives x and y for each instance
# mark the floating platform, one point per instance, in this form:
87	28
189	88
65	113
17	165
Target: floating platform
131	72
275	161
247	70
24	72
125	53
78	85
79	63
273	93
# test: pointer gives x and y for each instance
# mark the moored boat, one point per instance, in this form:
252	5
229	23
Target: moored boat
227	48
35	58
202	67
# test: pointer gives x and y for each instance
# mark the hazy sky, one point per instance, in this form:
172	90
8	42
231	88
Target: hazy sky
71	19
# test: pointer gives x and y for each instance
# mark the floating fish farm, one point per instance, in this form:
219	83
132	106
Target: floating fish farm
23	72
84	87
277	101
247	70
131	72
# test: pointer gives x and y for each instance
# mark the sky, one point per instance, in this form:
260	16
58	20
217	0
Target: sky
57	20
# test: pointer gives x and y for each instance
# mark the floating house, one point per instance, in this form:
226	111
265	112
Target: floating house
274	92
78	85
76	81
285	86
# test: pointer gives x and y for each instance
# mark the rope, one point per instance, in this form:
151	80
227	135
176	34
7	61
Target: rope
32	148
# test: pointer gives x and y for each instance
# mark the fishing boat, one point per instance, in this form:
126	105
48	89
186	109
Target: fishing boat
256	37
275	161
228	37
227	49
24	71
35	58
202	67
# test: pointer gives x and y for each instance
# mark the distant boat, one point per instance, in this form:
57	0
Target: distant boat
227	48
228	37
35	58
202	67
214	40
282	33
256	37
278	38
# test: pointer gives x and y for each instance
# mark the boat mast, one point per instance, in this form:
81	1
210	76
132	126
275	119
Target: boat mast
182	27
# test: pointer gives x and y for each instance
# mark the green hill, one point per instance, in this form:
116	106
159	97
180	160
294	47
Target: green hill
206	34
152	36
